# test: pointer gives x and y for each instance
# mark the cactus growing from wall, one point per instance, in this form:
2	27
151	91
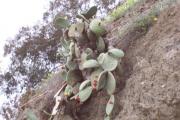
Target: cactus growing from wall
90	61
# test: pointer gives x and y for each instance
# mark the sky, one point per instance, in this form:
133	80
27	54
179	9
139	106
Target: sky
17	13
13	15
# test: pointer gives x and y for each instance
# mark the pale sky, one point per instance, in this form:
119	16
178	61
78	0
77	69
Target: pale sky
13	15
17	13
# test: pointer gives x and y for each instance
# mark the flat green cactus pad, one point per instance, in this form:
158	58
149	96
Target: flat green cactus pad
63	74
110	105
97	27
117	53
100	44
109	63
86	55
91	12
101	82
94	78
71	65
110	84
90	64
101	58
84	84
83	95
107	118
68	90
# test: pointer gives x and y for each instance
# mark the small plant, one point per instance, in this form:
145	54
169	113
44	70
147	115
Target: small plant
89	60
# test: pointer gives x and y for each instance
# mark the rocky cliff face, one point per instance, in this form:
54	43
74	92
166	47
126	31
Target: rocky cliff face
149	85
152	90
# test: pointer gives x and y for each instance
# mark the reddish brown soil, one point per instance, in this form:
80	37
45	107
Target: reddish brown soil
152	90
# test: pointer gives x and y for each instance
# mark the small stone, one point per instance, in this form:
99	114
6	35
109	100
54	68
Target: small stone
142	83
163	86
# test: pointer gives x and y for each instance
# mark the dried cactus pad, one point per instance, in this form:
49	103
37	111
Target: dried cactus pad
63	74
110	83
109	63
117	53
73	76
110	105
91	12
91	36
60	22
97	27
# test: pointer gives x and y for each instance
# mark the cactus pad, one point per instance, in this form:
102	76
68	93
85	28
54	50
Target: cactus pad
94	78
60	22
117	53
84	84
90	64
97	27
101	58
68	90
73	76
101	82
109	63
91	12
83	95
110	84
110	105
71	65
100	44
63	74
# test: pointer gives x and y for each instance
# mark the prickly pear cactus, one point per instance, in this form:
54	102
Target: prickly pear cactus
98	27
90	62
